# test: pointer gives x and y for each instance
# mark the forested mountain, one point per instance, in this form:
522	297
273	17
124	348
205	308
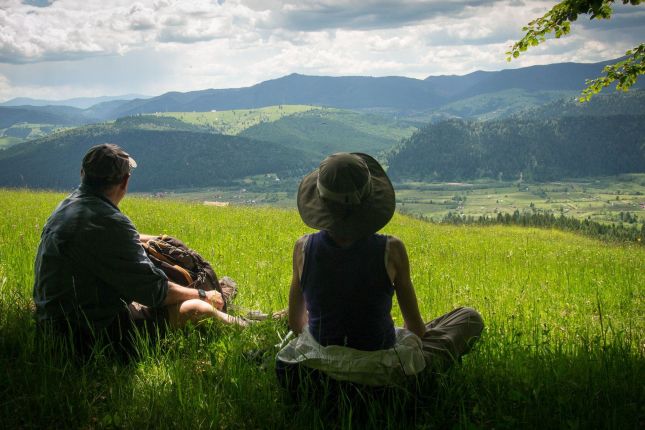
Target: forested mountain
399	94
59	115
167	159
78	102
538	149
325	131
604	104
498	104
476	95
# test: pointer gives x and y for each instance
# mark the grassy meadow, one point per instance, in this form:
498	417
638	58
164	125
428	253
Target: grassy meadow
237	120
563	347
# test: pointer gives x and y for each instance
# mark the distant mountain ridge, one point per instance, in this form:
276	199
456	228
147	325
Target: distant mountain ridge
362	92
78	102
558	140
401	95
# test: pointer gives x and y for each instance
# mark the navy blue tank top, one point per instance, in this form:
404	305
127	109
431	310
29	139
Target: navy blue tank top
348	292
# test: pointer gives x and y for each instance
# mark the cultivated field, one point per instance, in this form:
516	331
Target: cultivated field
600	199
563	347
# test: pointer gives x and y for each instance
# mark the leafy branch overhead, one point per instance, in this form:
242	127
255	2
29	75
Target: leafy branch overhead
558	21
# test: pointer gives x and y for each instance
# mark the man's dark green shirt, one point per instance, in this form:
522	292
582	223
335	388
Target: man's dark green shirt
90	264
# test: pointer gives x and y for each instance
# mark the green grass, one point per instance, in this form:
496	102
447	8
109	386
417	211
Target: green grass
235	121
22	132
7	141
563	345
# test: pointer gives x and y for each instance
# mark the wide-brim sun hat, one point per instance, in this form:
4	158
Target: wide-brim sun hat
349	194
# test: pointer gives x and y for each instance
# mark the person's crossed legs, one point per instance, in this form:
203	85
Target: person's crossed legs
450	336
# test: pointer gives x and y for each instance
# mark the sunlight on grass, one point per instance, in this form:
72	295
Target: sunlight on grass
563	344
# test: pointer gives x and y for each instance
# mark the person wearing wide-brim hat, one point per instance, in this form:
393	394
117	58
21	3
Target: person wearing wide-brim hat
344	279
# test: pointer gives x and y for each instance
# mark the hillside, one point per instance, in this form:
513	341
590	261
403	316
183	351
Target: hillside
233	122
59	115
604	104
396	94
562	344
168	159
325	131
78	102
537	149
480	94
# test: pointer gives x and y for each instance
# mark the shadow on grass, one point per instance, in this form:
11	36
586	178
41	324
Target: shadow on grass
200	378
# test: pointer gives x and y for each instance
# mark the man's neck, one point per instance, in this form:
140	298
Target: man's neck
115	195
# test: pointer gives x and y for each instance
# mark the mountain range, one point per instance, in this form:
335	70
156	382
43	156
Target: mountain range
78	102
489	92
484	124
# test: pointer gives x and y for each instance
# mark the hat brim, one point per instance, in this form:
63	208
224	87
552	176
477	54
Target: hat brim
352	221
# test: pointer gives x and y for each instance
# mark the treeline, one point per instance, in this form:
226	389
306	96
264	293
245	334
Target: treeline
612	232
537	150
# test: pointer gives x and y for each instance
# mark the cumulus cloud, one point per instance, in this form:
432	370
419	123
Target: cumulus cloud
308	15
152	46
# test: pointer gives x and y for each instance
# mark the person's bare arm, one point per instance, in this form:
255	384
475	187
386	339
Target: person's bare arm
399	271
297	313
177	294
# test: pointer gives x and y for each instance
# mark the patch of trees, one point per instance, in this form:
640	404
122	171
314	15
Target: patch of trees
612	232
535	149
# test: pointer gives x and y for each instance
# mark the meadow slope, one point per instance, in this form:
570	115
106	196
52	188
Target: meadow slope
563	346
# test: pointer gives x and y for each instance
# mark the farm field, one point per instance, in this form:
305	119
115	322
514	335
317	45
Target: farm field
563	346
600	199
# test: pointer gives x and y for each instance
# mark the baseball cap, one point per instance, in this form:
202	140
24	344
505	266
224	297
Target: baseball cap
107	162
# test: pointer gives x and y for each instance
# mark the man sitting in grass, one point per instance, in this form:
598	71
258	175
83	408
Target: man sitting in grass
93	279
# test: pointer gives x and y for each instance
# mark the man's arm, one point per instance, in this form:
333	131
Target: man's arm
399	266
297	314
177	294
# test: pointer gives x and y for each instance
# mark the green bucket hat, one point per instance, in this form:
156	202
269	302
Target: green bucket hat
349	194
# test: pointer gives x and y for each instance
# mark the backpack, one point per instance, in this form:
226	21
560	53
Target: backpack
186	267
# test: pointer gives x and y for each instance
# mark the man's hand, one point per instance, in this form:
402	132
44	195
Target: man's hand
145	238
215	299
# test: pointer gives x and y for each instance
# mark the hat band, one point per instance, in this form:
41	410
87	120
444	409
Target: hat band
351	198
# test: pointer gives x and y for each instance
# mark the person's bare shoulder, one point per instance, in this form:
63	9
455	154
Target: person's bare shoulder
396	247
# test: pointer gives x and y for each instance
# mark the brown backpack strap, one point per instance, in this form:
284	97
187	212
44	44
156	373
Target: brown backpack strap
159	256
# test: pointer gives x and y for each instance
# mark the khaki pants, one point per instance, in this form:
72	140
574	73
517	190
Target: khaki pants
450	336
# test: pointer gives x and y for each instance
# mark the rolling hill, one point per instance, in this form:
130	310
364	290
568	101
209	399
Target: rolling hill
325	131
393	93
535	149
479	94
167	158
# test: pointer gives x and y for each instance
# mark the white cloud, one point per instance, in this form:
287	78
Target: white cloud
81	47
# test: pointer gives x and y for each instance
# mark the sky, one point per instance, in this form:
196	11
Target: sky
59	49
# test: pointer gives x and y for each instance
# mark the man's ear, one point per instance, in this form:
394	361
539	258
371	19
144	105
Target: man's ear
124	183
